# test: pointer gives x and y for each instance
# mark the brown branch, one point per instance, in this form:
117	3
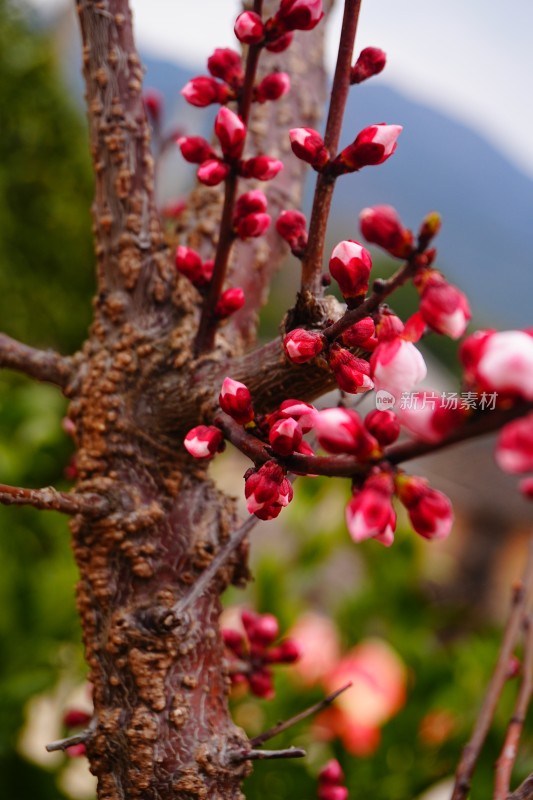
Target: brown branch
314	253
257	741
524	791
263	755
43	365
505	763
64	744
49	499
472	750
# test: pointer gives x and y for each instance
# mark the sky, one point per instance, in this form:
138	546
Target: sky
471	59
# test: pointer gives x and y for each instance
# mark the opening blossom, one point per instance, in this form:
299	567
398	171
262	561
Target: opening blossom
372	146
500	362
350	265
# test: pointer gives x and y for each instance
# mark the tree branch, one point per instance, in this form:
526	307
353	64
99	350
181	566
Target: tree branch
49	499
43	365
472	750
263	755
64	744
524	791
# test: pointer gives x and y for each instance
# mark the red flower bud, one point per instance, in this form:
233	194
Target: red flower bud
308	145
189	263
359	333
234	641
287	652
236	400
195	149
267	490
204	441
383	425
280	43
298	15
231	132
381	225
74	718
442	306
249	28
229	302
262	168
350	265
369	514
341	430
226	64
331	773
285	436
212	172
261	683
301	345
203	91
292	226
300	411
252	225
153	102
76	750
272	87
250	203
261	629
371	62
373	145
351	373
430	511
328	792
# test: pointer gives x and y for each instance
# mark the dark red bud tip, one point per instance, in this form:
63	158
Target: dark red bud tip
331	773
75	718
261	684
371	62
230	301
286	653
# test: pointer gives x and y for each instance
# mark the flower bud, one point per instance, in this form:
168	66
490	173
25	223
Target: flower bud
383	425
292	226
397	366
372	146
285	436
261	629
430	511
308	145
371	62
381	225
75	718
189	263
249	28
430	227
203	91
287	652
279	43
526	487
231	132
272	87
500	362
250	203
204	441
261	168
226	64
267	490
298	15
341	430
252	225
236	400
351	373
195	149
442	306
301	346
212	172
350	265
261	683
234	641
76	750
514	451
173	209
359	334
331	773
300	411
328	792
230	301
153	102
369	514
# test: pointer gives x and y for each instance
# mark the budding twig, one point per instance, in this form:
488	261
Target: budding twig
49	499
504	765
64	744
43	365
524	791
257	741
262	755
472	750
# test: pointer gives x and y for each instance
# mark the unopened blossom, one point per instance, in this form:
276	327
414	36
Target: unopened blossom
292	227
235	399
153	102
372	146
226	64
195	149
300	411
430	227
252	225
381	225
361	334
341	430
260	629
298	15
204	441
212	172
230	301
285	436
501	362
526	487
203	91
272	87
397	366
383	425
308	145
430	417
350	265
351	373
443	307
369	513
430	511
267	490
330	782
231	132
371	62
514	450
279	43
76	718
249	203
249	28
189	263
262	168
301	346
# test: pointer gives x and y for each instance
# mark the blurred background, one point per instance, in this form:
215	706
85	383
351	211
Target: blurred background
422	620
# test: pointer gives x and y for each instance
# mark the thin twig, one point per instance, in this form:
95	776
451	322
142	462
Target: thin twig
524	791
70	741
472	750
257	741
43	365
505	763
263	755
49	499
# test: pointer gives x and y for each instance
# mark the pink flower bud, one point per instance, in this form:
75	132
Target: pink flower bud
203	91
351	373
76	750
226	64
500	362
285	436
173	209
369	514
292	226
328	792
75	718
249	28
267	490
272	87
299	15
204	441
230	301
514	451
280	43
389	327
236	400
371	62
300	411
153	102
231	132
372	146
288	652
252	226
212	172
250	203
195	149
261	684
381	225
308	145
350	265
331	773
261	629
383	425
359	334
341	430
234	641
397	366
261	168
430	511
442	306
189	263
301	346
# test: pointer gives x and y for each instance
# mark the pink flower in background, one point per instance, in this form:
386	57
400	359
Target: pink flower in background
500	361
397	366
514	451
318	640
